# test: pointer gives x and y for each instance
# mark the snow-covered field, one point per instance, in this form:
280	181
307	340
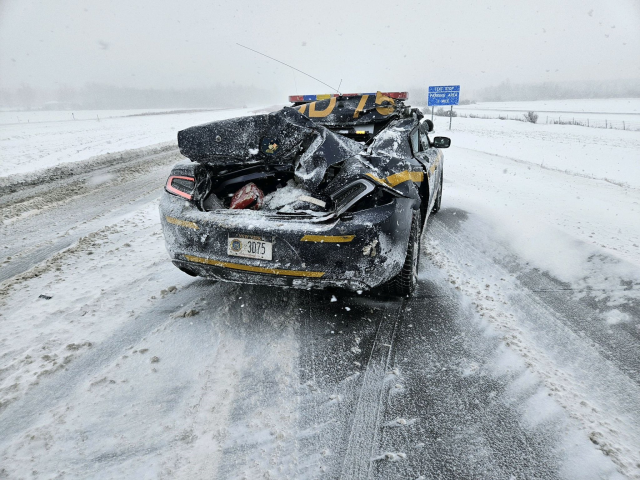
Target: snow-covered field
611	155
613	106
517	358
581	181
35	140
22	117
619	113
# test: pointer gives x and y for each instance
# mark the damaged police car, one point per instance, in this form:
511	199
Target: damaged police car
332	191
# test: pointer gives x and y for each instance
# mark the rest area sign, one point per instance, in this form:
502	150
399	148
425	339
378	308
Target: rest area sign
444	95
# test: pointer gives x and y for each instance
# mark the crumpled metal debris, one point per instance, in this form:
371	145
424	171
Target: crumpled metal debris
285	137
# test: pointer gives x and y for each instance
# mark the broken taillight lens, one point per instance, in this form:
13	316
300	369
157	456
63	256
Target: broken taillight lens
181	186
349	195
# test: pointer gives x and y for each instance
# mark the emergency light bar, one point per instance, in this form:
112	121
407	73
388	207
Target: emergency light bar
313	98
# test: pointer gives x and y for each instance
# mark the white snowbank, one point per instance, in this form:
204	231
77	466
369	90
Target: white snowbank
543	211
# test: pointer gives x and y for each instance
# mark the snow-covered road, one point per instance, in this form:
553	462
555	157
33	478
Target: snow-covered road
517	357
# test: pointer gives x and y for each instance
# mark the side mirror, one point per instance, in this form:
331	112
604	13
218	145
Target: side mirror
441	142
429	125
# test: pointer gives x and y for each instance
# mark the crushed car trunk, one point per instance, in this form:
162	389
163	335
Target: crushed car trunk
281	150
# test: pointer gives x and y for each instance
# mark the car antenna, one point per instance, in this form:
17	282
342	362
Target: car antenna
296	69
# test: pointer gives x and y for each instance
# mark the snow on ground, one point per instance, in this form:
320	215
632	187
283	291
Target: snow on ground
134	370
80	313
544	182
562	219
614	106
153	376
612	155
600	112
24	117
45	139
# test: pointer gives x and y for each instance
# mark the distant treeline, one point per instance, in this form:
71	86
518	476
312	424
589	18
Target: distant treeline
507	91
95	96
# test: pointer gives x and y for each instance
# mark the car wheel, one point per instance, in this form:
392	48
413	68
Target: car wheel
405	282
438	202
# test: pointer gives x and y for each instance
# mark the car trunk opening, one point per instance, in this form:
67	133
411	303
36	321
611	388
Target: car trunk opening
283	157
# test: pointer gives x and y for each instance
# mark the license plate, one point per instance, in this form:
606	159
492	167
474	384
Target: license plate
249	248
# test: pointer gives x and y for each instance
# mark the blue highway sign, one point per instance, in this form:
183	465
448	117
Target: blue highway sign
444	95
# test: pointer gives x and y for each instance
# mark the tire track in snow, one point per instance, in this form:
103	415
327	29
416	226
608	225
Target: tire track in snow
29	257
43	192
20	415
357	462
59	226
592	388
262	350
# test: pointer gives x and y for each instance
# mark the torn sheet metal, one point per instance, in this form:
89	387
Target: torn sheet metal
285	137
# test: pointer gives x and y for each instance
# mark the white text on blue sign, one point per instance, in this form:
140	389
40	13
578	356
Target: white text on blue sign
445	88
443	97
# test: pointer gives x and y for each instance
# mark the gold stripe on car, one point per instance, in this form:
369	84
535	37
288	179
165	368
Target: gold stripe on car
398	178
328	238
251	268
182	223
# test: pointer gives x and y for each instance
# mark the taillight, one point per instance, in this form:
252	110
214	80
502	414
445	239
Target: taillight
349	195
181	186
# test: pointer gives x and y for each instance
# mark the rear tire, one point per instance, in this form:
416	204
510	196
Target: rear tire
405	282
438	202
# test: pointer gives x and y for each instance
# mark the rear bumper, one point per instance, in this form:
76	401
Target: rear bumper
357	254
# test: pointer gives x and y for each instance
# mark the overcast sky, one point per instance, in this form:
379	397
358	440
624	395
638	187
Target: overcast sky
369	44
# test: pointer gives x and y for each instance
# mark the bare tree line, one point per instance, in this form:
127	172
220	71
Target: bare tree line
508	91
95	96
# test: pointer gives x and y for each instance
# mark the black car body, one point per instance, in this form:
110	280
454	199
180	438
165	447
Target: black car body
349	182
